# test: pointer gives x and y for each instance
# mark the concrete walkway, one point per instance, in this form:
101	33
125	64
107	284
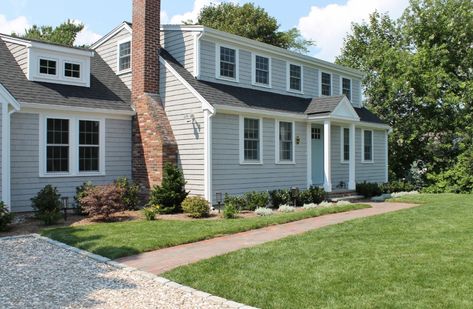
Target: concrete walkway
163	260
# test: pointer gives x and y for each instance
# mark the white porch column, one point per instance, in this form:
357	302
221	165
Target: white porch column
327	157
352	162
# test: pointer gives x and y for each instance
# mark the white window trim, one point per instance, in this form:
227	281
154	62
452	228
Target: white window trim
320	83
118	56
217	63
276	139
73	145
253	71
48	76
81	65
242	141
363	146
351	86
288	78
342	144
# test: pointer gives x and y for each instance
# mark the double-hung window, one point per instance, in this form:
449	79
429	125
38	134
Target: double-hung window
47	67
89	145
72	70
57	145
326	84
295	77
251	140
346	87
228	63
345	145
124	56
262	70
367	146
286	142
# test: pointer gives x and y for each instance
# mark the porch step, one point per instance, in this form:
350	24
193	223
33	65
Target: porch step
343	195
347	198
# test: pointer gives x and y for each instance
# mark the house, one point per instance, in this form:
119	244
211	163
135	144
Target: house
236	115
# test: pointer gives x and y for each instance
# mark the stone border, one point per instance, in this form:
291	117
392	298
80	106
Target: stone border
147	275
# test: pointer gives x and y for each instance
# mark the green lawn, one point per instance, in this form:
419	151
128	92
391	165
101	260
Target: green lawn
115	240
416	258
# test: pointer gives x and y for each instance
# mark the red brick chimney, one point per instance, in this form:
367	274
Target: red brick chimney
153	140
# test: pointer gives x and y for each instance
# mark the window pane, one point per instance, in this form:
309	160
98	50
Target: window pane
124	56
227	62
72	70
262	70
88	132
88	159
326	84
346	144
57	141
251	139
295	77
368	145
346	87
57	158
285	141
47	67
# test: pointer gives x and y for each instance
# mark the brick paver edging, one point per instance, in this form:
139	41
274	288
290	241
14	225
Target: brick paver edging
148	275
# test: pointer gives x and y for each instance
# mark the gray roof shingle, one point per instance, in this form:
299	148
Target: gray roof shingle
106	90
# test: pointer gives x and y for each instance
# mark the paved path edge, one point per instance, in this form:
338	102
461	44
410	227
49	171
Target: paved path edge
162	280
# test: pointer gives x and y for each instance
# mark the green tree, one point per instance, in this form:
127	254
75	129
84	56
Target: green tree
64	34
253	22
418	79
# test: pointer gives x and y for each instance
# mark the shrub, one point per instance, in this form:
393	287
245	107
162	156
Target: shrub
310	206
276	198
343	203
396	186
368	189
297	197
170	195
196	207
286	208
150	212
80	193
102	201
230	211
263	211
316	195
5	217
325	204
47	205
239	202
256	200
131	191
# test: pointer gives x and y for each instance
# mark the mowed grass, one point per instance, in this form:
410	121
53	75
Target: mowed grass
114	240
416	258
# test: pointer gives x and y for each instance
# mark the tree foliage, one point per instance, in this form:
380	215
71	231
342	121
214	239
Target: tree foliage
419	79
253	22
64	34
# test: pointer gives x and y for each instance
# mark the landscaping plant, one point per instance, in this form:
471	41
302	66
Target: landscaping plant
277	198
150	213
171	193
6	217
103	201
315	195
80	193
196	207
256	200
131	191
368	189
47	205
286	208
230	210
263	211
239	202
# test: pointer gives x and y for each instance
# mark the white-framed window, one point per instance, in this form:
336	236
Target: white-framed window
251	140
124	56
325	84
345	145
227	63
285	142
47	66
71	70
71	146
367	146
295	78
261	70
346	87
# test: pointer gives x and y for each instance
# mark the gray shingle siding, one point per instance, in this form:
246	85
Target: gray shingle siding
376	171
25	180
180	44
20	53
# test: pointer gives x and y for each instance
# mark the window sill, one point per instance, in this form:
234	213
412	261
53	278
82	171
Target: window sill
295	91
285	163
345	162
123	72
367	162
267	86
70	175
228	79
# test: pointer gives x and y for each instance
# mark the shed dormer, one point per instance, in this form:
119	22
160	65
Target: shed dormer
52	63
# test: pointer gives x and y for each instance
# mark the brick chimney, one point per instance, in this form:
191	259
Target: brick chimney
153	139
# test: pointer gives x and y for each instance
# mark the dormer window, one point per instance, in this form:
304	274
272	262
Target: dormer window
346	87
72	70
326	84
227	62
124	56
294	77
47	66
261	71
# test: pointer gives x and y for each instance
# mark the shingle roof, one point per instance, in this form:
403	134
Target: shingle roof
106	90
221	94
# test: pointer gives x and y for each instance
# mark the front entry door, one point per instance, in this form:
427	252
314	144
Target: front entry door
317	134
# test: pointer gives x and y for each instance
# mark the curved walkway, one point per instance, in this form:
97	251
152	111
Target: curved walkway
160	261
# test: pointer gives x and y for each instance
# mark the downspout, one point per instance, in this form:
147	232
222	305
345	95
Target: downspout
197	37
208	155
6	166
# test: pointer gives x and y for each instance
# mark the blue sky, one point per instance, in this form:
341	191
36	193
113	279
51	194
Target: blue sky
325	21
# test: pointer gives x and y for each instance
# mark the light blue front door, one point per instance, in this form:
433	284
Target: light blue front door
317	134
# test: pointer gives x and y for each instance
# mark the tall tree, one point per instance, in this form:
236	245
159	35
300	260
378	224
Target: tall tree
64	34
252	22
418	78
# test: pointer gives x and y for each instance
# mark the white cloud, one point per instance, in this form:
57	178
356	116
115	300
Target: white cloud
17	25
85	36
329	25
192	15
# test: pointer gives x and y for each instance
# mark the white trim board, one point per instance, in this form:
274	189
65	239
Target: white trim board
241	139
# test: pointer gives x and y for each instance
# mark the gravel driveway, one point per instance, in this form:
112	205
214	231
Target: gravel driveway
35	273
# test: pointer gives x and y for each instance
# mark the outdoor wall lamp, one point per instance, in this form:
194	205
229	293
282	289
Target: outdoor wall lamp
219	198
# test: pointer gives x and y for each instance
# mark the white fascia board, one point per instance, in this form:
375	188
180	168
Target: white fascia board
105	38
109	113
7	97
252	44
259	112
205	104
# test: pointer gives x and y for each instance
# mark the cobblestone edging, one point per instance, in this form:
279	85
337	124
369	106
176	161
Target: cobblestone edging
100	259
